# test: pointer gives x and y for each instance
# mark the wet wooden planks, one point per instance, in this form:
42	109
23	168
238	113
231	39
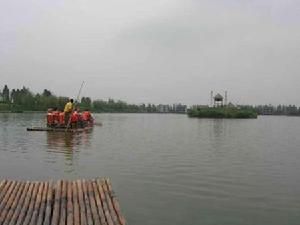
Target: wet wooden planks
80	202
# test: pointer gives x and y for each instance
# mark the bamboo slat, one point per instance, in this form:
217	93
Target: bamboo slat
49	204
105	207
4	188
115	203
94	210
83	219
109	203
87	204
76	204
2	183
14	204
19	205
42	209
63	205
37	203
4	210
57	199
80	202
23	210
6	195
29	211
69	205
99	203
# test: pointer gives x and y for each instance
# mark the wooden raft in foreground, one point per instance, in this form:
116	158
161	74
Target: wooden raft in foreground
64	202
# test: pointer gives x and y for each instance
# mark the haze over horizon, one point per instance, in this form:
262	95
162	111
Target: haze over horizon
163	51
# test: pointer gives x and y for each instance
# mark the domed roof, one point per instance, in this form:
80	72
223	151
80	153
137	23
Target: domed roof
218	97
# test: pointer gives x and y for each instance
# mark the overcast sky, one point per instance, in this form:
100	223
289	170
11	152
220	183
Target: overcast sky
158	51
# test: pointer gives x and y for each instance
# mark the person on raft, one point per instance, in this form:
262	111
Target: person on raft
76	119
87	116
68	110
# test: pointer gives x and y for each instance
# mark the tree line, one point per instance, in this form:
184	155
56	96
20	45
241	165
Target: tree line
18	100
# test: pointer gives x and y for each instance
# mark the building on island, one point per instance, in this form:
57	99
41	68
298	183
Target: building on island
218	100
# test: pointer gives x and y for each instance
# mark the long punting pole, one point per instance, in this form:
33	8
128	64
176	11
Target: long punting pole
77	99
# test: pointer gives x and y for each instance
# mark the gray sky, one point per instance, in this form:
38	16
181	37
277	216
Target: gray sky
158	51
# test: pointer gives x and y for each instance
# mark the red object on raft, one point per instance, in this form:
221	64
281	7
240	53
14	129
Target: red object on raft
56	119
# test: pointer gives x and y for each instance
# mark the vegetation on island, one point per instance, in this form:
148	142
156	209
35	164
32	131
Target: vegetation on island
222	112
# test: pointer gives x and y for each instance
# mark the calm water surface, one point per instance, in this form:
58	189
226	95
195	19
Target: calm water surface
169	169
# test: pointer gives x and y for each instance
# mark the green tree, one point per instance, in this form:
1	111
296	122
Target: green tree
47	93
86	102
5	94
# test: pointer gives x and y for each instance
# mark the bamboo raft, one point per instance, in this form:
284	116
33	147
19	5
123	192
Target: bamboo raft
77	202
49	129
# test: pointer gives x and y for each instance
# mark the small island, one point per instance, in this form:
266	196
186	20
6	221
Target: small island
220	110
223	112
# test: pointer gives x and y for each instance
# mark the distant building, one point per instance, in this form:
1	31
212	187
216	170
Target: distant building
268	110
163	108
179	108
218	100
230	105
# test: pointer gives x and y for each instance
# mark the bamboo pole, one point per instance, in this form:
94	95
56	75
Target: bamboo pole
42	209
99	203
8	201
19	204
76	204
63	206
115	203
49	204
5	199
87	204
109	203
37	204
2	184
25	206
14	205
29	211
69	204
7	189
83	219
4	190
76	101
93	203
104	203
56	207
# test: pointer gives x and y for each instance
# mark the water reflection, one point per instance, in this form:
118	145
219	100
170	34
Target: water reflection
68	142
4	117
217	130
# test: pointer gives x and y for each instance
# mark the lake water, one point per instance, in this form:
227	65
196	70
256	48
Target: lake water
170	169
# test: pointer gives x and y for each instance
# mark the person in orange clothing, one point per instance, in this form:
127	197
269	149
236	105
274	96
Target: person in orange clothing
61	119
74	119
55	114
50	118
87	117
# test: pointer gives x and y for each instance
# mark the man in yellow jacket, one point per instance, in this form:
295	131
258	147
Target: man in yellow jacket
68	110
